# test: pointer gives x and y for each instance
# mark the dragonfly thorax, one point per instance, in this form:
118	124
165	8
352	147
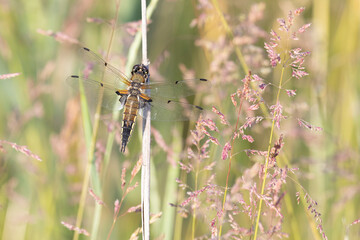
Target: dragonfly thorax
134	91
135	84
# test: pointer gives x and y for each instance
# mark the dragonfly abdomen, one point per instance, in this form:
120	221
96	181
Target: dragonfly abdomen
129	116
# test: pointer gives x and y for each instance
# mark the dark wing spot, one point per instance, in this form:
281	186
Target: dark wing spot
101	84
203	79
169	101
86	49
105	64
198	107
74	76
176	82
117	92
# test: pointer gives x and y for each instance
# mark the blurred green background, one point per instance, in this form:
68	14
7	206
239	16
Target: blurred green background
39	110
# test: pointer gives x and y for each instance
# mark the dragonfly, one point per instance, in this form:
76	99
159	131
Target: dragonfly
134	94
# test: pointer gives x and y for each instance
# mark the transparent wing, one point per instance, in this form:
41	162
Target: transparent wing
169	101
171	110
165	105
177	89
92	88
101	71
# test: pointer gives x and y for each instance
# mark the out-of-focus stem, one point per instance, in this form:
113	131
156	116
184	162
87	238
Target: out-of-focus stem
91	150
268	155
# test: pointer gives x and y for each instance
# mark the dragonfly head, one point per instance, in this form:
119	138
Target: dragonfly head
142	70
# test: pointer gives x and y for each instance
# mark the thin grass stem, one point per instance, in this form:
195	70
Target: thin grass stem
91	149
196	188
268	156
230	33
229	168
262	105
194	211
237	49
145	170
246	70
134	48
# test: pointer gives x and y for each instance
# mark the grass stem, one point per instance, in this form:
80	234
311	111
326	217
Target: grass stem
268	156
91	149
229	168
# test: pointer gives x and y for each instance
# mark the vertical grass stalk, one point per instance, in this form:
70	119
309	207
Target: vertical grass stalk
91	147
195	189
246	70
145	170
268	156
229	168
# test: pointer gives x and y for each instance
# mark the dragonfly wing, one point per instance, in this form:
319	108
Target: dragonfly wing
101	71
93	88
171	110
177	89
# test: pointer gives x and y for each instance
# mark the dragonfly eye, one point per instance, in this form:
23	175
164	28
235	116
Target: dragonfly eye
141	69
135	68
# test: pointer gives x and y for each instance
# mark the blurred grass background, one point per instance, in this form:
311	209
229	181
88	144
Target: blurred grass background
38	109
